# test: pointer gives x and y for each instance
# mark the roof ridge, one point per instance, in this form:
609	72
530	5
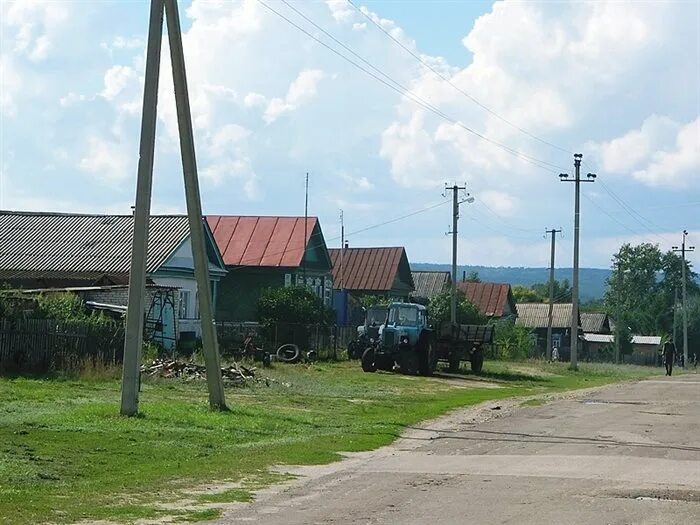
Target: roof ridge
80	214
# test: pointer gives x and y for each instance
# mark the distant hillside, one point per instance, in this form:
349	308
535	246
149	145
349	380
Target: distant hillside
591	280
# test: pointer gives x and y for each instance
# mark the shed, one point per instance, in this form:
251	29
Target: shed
595	323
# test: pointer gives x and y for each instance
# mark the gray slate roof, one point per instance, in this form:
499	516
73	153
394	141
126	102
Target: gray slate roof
57	245
594	323
536	315
429	284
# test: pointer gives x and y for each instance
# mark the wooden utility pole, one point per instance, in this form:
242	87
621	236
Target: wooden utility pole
553	232
564	177
684	285
618	325
134	327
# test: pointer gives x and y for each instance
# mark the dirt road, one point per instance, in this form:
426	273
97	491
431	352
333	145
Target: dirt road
628	453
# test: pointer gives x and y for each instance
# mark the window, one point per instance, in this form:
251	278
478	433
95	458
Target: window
287	280
184	306
403	316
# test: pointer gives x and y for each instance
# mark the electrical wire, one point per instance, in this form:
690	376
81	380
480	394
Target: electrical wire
402	90
457	88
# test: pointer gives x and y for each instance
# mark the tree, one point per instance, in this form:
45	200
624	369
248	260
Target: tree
472	277
440	306
523	294
292	305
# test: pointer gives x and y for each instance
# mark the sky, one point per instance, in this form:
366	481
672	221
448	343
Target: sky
496	97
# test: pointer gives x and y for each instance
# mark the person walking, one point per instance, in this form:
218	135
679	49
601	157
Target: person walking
669	356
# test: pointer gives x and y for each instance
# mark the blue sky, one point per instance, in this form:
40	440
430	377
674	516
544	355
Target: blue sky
616	81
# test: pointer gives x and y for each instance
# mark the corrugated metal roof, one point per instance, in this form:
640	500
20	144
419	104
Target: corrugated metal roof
371	269
536	315
43	245
490	298
263	241
654	340
593	322
429	284
599	338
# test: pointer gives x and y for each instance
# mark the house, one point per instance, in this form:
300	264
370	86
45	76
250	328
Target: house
595	323
59	250
264	252
429	284
535	316
381	272
600	347
494	300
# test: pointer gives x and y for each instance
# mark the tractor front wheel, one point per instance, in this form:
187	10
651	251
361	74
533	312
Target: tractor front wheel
368	364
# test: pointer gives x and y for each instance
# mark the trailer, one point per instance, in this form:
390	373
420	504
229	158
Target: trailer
463	342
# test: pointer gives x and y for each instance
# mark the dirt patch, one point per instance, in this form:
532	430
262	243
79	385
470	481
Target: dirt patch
692	496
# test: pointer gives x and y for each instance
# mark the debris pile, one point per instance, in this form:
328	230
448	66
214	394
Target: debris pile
170	368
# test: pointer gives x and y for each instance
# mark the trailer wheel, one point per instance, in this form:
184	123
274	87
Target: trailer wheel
368	364
454	361
477	360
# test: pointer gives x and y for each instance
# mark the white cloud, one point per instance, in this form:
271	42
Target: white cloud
340	10
116	79
35	24
662	152
301	91
10	85
107	160
500	202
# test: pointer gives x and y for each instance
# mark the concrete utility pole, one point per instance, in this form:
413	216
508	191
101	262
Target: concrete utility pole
134	325
133	338
553	232
210	346
618	326
564	177
683	249
455	217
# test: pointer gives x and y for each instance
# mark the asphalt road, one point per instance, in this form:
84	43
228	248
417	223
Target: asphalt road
625	454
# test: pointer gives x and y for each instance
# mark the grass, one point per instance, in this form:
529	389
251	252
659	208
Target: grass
66	455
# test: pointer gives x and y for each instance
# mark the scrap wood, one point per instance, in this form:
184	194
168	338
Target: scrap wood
169	368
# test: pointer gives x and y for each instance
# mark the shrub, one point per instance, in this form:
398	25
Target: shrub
513	342
440	305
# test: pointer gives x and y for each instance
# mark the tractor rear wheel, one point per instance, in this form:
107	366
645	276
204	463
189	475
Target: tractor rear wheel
368	364
427	360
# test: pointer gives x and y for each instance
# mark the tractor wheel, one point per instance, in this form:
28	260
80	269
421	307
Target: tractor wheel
477	360
427	360
368	364
409	362
454	361
384	363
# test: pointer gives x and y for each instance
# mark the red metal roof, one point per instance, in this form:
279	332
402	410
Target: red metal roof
490	298
261	241
368	268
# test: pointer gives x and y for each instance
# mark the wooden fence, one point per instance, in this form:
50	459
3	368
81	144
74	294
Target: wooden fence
41	345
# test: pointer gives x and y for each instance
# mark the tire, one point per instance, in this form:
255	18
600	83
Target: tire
409	362
384	363
368	364
477	360
427	361
288	353
353	349
454	361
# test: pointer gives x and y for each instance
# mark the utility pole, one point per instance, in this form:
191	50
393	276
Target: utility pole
455	217
564	177
306	220
133	339
618	325
675	312
548	352
342	249
684	291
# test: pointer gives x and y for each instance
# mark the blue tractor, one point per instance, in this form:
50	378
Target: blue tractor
406	342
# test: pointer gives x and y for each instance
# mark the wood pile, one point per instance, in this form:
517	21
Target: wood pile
170	368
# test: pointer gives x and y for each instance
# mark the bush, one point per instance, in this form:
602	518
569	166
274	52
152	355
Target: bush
440	305
293	305
513	342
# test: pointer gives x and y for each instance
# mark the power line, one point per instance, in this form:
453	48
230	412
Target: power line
457	88
402	90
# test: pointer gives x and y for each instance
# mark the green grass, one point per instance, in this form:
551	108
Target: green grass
67	455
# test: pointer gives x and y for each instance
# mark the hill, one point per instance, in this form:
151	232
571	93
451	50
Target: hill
591	280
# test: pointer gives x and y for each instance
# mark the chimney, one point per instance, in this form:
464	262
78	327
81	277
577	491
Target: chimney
347	245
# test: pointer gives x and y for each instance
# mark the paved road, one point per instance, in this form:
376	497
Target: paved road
626	454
